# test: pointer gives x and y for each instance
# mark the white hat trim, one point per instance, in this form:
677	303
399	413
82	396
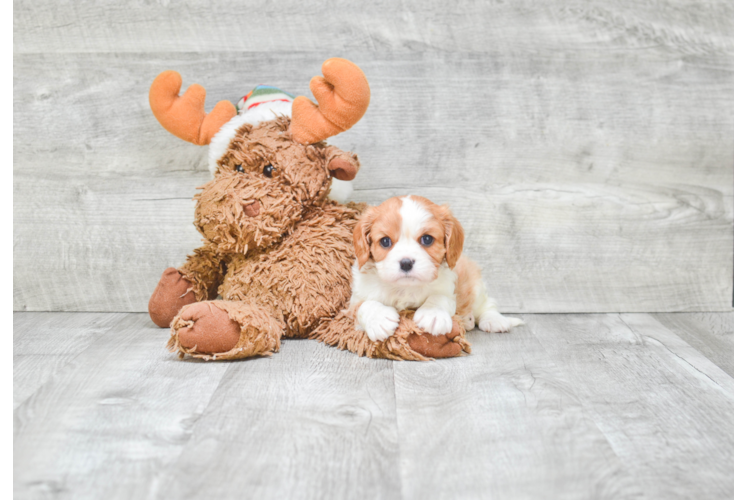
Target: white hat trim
254	116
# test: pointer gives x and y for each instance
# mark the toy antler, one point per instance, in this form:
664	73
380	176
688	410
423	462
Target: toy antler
185	116
343	96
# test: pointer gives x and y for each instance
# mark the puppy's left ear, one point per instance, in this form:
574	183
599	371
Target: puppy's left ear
361	244
454	236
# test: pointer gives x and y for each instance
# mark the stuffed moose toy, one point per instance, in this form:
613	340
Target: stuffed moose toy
277	253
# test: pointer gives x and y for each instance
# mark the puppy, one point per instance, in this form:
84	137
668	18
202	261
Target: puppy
408	256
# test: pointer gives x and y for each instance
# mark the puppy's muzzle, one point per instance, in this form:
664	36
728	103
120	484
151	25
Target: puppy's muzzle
252	208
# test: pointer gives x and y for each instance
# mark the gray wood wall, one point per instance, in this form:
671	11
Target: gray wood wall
587	148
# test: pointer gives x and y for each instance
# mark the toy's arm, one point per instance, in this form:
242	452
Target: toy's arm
204	269
197	280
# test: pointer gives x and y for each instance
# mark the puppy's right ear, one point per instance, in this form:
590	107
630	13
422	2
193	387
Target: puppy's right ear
454	237
361	243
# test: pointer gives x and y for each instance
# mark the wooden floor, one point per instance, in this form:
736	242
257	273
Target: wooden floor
569	406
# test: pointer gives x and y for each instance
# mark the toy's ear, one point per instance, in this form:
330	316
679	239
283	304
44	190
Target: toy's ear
343	168
361	243
454	236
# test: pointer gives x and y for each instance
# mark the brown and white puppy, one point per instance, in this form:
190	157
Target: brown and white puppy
408	256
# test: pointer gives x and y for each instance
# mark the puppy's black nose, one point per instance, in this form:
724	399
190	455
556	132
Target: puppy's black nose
406	264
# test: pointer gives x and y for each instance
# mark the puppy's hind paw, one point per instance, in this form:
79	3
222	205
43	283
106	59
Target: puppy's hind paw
494	322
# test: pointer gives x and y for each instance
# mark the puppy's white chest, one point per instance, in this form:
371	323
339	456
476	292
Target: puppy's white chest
367	285
405	298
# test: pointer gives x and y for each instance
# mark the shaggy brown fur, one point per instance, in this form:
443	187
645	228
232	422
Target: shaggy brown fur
403	344
468	273
279	254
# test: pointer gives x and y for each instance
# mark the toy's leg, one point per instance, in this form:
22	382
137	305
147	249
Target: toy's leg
223	329
172	293
407	343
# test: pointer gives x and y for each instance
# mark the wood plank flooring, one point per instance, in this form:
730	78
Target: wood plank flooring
569	406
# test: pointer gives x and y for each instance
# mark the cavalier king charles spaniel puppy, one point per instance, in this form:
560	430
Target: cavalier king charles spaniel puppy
408	256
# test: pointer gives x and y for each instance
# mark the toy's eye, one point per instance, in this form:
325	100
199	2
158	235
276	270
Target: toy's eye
268	171
239	168
385	242
427	240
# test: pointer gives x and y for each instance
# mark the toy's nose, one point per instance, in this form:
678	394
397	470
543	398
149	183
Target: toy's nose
252	208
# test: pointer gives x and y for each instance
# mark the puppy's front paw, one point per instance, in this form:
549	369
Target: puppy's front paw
377	320
493	322
432	320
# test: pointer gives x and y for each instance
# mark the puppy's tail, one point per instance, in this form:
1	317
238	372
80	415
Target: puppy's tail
473	300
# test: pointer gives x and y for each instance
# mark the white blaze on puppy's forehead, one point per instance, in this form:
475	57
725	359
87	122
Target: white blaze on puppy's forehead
414	216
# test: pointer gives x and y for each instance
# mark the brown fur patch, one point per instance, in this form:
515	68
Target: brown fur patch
468	275
342	333
204	269
376	223
387	223
437	250
454	235
305	277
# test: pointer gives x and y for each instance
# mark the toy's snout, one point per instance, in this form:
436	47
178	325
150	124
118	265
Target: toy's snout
252	208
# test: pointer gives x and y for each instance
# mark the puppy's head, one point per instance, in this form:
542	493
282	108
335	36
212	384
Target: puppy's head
408	238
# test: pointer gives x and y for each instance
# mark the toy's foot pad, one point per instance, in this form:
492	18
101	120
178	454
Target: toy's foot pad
207	329
172	293
438	346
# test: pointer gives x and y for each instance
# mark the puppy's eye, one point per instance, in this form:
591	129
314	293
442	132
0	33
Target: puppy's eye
239	168
268	171
427	240
385	242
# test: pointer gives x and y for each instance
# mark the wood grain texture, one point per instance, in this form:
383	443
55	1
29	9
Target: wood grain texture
310	422
105	424
471	26
103	247
586	148
568	406
712	334
666	410
505	421
581	189
45	343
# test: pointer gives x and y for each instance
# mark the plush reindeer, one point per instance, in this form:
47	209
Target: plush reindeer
277	250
